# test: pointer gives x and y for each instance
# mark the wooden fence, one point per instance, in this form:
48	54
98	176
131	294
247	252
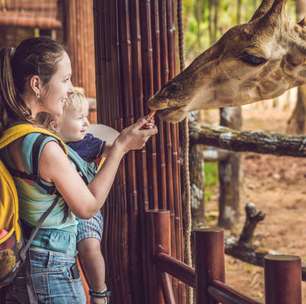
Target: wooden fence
282	272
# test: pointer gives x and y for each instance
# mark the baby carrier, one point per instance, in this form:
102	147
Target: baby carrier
13	248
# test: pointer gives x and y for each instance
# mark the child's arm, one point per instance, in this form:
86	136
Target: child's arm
108	135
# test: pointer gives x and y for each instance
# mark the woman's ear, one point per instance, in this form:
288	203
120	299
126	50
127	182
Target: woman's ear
36	85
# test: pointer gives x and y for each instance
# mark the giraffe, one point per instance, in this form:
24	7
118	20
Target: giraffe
250	62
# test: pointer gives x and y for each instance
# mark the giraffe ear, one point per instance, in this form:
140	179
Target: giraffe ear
273	15
277	8
262	9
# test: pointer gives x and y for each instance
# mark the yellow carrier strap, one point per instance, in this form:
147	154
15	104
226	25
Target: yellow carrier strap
10	198
20	130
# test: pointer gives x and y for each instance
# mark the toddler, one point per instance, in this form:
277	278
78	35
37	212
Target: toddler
72	127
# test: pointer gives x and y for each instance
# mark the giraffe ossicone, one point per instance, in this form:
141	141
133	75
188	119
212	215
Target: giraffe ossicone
251	62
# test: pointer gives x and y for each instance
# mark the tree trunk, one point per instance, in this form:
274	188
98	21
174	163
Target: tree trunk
296	123
196	164
238	17
199	13
248	141
229	174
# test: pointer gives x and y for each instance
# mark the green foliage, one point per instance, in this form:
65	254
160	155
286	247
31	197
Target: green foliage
199	16
211	179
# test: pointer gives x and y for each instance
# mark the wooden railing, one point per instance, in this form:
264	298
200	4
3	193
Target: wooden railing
282	273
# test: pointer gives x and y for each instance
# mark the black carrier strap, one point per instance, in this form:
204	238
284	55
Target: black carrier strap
35	153
24	250
35	160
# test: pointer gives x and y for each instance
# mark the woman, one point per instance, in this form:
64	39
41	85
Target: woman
35	78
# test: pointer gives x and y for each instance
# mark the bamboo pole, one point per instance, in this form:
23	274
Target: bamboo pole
141	164
79	27
167	289
152	169
128	172
173	149
156	47
148	85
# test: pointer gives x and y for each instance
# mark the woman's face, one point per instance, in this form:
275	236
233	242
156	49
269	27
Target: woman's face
57	90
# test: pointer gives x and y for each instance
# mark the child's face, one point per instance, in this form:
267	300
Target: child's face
73	124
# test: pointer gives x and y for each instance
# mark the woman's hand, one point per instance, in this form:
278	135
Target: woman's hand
135	136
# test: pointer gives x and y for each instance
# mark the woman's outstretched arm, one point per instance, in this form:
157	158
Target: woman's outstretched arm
85	200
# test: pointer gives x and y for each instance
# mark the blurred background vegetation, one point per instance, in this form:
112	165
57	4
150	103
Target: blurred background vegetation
206	20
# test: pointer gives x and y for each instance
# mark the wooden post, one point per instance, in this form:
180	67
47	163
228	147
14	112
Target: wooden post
79	36
158	239
209	261
283	277
229	173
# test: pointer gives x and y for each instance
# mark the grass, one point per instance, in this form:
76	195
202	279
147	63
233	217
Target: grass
211	179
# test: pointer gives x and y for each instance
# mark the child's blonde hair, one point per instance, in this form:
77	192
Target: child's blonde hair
75	101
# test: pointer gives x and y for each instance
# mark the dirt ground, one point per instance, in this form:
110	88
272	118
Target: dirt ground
277	186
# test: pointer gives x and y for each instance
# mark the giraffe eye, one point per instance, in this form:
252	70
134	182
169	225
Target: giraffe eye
251	59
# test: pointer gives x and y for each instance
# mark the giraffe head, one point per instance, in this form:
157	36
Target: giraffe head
254	61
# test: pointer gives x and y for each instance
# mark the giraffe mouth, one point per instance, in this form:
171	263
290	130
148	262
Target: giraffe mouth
173	115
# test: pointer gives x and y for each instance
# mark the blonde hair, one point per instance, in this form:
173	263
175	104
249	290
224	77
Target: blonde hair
76	101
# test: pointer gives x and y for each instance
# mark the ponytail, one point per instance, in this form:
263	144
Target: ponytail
12	107
33	56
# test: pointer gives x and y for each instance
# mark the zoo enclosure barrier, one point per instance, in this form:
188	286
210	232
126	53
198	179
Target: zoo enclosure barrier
282	272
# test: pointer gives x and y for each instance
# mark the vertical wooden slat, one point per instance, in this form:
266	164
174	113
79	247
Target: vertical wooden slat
148	89
141	167
79	27
148	85
155	17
